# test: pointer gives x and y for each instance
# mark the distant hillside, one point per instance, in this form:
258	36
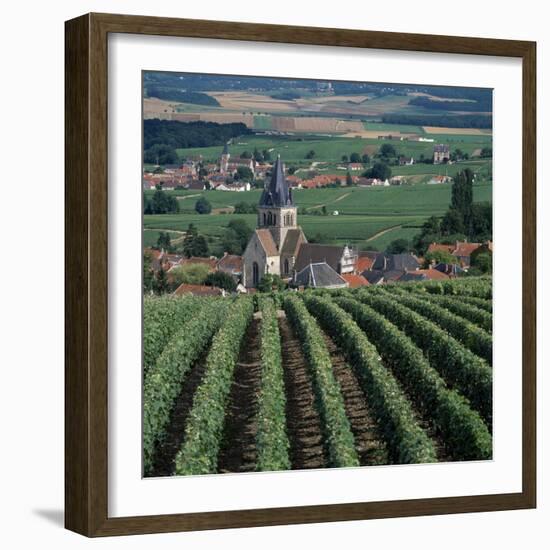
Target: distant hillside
174	94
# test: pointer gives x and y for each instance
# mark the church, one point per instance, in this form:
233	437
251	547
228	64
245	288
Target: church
275	244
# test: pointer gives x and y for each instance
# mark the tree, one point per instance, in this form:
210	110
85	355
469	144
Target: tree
398	246
387	150
161	203
355	157
160	154
345	158
271	282
163	241
246	155
243	173
267	155
194	244
324	210
148	273
236	236
439	257
221	280
192	274
257	156
310	154
380	170
486	152
349	179
365	158
160	283
453	222
203	206
482	261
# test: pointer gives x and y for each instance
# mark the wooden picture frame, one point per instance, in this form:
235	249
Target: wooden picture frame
86	280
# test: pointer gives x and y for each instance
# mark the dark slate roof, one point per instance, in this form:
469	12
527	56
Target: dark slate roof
320	275
314	253
373	277
441	148
293	239
412	276
225	149
395	262
277	192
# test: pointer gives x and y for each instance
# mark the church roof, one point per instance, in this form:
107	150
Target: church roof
225	149
293	239
313	253
268	243
277	193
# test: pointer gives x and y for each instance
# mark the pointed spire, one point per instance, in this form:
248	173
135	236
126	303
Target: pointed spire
277	192
226	148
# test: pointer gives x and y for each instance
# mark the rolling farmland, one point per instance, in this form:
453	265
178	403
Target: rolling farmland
382	375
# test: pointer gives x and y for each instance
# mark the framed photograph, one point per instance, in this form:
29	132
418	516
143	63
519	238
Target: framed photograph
289	288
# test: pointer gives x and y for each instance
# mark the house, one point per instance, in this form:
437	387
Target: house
341	259
319	275
232	265
196	185
398	180
405	161
374	277
442	154
461	250
355	166
198	290
395	262
354	280
274	245
423	275
237	187
365	260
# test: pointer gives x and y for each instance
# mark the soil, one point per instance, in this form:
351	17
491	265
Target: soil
304	426
369	444
238	451
166	451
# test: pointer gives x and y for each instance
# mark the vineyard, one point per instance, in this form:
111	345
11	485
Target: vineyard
393	374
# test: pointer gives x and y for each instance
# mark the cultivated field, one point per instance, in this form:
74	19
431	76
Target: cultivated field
364	213
386	375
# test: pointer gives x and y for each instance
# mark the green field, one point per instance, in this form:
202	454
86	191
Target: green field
330	149
363	213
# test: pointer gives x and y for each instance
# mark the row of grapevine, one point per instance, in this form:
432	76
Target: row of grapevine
340	440
482	303
161	318
271	439
407	442
204	430
165	377
465	435
480	317
473	337
480	287
461	368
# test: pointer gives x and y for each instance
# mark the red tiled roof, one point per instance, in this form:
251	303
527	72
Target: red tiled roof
432	274
354	281
198	290
210	262
465	249
364	263
437	247
231	262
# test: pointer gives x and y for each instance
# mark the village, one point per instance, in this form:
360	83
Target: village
278	251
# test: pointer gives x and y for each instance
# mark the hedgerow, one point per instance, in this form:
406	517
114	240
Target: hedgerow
407	442
460	368
464	433
165	377
271	439
338	435
204	429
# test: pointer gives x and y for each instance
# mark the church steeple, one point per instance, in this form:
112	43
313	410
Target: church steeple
277	193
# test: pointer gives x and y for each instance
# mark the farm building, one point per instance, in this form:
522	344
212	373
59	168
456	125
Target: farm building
441	154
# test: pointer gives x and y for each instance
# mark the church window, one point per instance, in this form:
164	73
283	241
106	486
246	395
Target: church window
287	267
255	273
